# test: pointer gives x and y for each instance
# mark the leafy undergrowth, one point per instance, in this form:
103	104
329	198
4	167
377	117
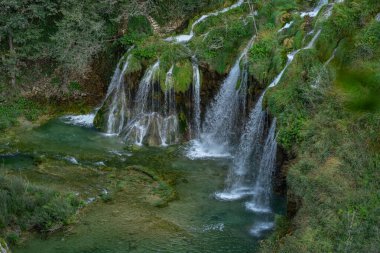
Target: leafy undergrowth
329	120
10	112
24	206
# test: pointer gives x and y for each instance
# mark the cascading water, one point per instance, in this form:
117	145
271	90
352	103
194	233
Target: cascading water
316	10
254	162
196	100
221	117
150	123
187	37
146	87
286	26
239	182
169	129
115	113
118	109
263	185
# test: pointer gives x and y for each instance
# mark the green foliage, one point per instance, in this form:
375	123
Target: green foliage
11	111
32	207
266	58
134	65
221	38
182	75
166	11
332	131
172	53
139	29
75	86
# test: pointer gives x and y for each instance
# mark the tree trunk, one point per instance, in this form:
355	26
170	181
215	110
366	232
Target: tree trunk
13	54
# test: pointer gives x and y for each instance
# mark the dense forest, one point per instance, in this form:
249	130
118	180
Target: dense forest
122	120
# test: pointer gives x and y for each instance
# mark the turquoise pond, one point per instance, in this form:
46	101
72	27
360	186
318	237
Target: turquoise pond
84	161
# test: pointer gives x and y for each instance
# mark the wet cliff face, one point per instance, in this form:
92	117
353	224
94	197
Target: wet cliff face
184	101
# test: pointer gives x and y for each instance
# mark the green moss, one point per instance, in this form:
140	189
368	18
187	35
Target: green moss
134	65
75	86
182	75
266	56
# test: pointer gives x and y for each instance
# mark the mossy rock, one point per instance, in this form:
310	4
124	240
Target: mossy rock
156	191
134	65
4	247
182	75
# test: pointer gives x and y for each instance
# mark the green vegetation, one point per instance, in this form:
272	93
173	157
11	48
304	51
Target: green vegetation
11	111
28	207
220	39
328	120
182	76
328	115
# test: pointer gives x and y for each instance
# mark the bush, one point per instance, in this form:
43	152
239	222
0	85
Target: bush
10	111
31	207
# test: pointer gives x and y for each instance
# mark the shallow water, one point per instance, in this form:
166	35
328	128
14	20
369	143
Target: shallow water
82	160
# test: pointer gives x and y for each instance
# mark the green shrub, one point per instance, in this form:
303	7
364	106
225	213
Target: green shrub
12	110
32	207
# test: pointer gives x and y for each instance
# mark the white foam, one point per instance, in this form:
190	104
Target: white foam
234	194
255	208
72	160
86	120
100	164
258	229
197	150
213	227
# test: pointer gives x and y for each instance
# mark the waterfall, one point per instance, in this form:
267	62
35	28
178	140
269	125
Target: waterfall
251	162
169	128
316	10
146	87
239	182
263	185
221	116
196	100
151	123
286	26
170	103
187	37
117	110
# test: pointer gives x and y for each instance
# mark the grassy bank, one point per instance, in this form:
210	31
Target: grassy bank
328	121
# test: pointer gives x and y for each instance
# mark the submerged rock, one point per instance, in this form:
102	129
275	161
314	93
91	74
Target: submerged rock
152	137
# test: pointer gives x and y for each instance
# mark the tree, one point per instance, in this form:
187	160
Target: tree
21	30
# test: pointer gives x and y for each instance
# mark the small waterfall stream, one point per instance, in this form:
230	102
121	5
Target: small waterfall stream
239	182
196	100
117	111
263	186
313	13
223	113
187	37
151	123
